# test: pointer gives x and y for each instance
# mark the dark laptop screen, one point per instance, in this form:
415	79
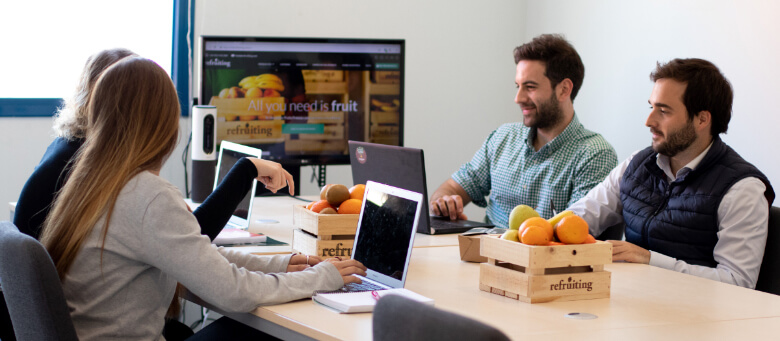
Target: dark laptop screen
385	233
228	159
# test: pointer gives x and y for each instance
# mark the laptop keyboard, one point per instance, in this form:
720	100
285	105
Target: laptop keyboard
444	223
365	286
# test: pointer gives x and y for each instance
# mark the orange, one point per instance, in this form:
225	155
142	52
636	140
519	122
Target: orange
534	235
572	230
590	239
308	207
554	243
350	206
319	205
537	221
357	191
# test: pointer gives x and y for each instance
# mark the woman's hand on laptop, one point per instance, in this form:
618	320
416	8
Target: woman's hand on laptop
273	176
348	268
300	262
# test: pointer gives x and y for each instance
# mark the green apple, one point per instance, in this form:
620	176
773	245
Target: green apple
510	235
519	214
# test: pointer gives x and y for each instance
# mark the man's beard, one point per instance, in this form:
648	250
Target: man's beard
548	114
677	141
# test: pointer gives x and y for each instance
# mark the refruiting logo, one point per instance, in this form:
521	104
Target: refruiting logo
337	251
218	62
247	129
572	284
360	153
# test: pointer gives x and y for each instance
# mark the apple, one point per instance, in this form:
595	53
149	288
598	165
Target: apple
510	235
519	214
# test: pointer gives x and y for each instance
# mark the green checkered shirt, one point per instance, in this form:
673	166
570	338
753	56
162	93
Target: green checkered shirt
507	169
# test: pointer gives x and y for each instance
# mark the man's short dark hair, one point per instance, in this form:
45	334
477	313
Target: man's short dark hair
707	89
560	59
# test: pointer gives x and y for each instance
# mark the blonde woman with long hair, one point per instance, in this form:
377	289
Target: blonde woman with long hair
70	130
49	176
121	236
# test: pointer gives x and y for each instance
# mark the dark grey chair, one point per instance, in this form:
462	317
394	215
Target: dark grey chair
399	318
614	232
32	289
769	275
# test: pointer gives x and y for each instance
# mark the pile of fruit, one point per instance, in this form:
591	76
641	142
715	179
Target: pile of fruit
338	199
527	227
265	85
377	105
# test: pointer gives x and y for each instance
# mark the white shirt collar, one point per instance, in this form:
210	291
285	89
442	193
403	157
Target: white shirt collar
663	162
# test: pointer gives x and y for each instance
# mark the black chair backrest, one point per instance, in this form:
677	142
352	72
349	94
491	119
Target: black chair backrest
614	232
32	289
400	318
769	275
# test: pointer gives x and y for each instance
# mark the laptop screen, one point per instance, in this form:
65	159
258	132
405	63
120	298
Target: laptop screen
386	230
229	158
229	155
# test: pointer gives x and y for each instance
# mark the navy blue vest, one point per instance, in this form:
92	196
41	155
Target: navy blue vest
680	219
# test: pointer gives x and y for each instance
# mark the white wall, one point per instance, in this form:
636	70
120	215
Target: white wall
23	141
459	64
620	42
459	76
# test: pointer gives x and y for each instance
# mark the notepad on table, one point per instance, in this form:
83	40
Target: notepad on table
231	236
363	301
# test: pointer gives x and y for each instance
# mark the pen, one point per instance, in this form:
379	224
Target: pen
375	295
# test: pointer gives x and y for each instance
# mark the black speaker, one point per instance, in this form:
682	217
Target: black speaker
204	151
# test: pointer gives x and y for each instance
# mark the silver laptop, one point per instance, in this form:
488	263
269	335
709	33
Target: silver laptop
229	154
385	236
402	167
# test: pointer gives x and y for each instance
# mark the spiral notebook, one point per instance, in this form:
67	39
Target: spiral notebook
233	236
363	302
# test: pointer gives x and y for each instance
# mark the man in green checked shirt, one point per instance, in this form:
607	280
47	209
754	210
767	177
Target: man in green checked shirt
549	158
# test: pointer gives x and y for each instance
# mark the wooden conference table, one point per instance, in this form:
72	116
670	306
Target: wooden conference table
280	209
646	303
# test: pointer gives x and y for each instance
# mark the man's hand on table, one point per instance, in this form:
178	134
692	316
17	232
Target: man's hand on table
625	251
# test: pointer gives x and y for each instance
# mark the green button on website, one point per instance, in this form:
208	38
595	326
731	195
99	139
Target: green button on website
317	128
387	66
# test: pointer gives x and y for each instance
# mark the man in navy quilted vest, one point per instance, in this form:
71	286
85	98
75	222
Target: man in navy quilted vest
690	203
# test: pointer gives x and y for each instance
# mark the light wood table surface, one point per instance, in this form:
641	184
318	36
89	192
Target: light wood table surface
646	302
281	209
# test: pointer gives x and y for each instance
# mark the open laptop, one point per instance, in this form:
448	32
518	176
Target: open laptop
405	168
385	236
229	154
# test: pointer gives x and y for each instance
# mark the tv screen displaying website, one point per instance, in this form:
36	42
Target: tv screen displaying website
300	100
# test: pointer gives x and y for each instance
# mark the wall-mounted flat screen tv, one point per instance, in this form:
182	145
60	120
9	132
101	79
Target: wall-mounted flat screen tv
301	99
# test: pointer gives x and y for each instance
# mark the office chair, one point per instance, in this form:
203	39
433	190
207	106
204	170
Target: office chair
32	288
614	232
400	318
769	275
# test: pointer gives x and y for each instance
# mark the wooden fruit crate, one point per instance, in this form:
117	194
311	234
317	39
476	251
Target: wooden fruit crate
537	274
323	235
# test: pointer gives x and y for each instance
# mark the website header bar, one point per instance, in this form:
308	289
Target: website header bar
302	47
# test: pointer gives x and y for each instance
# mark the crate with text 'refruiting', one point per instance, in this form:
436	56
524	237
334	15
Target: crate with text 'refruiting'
537	274
323	235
